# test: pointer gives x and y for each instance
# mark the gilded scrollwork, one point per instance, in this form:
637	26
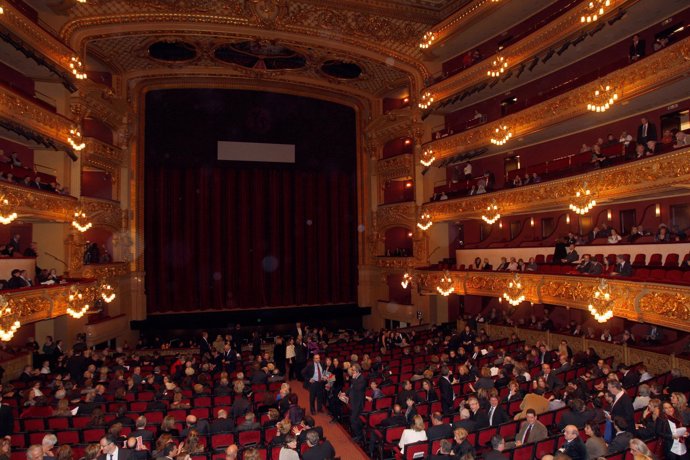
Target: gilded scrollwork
648	175
35	203
396	215
673	305
103	213
395	167
105	271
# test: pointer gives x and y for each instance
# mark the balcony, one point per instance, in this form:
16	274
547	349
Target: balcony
662	304
660	69
395	167
36	203
103	271
103	213
656	174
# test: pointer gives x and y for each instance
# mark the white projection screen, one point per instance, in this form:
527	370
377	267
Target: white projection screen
253	151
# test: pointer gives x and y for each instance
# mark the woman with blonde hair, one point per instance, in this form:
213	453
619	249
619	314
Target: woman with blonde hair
5	449
92	452
640	451
192	444
680	403
168	427
413	434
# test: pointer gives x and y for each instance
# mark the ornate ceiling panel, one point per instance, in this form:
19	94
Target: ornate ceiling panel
131	53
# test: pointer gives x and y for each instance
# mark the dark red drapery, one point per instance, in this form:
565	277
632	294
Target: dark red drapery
234	238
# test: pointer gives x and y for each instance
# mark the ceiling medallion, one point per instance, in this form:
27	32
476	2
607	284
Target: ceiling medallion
268	11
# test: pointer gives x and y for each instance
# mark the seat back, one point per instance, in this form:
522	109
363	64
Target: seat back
417	450
671	261
654	260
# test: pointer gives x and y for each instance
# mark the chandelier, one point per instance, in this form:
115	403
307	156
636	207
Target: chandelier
9	323
445	285
604	98
498	66
77	68
594	10
514	293
427	158
80	221
107	293
75	139
601	306
427	40
426	100
425	221
584	201
406	280
7	215
77	306
492	214
502	135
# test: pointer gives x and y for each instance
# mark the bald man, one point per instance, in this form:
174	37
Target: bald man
231	452
574	447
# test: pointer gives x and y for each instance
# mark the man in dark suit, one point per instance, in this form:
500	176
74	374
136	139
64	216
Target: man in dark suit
646	131
623	268
192	423
6	419
446	388
316	451
477	414
110	449
497	414
438	429
140	430
358	387
498	445
630	377
679	383
314	380
574	447
621	441
465	421
222	424
622	405
204	345
637	48
552	381
577	415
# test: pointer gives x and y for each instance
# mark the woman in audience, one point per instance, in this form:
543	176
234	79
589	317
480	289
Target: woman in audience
97	420
662	235
91	452
640	451
161	443
168	427
62	409
273	418
5	449
680	403
477	265
64	452
596	446
430	394
289	449
673	442
514	392
283	429
484	381
517	181
192	443
614	237
413	434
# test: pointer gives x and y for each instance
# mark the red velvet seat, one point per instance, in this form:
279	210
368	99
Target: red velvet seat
539	259
247	438
658	274
70	437
671	261
654	260
639	260
417	450
219	441
686	277
642	273
93	435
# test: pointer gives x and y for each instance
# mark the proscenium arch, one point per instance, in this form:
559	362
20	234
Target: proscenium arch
136	147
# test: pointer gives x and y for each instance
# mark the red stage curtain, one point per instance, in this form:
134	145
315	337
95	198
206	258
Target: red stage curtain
220	238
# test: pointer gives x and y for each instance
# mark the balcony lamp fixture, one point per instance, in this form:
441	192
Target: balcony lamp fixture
425	221
2	11
503	135
9	323
584	201
427	40
75	139
406	280
107	293
426	100
77	306
7	215
515	292
493	213
427	158
594	10
498	66
445	285
77	68
604	98
601	305
81	221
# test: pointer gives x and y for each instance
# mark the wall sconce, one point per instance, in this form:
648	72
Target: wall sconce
500	224
567	218
608	215
531	221
657	210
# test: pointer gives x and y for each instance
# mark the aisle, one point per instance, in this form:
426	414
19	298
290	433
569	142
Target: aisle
334	432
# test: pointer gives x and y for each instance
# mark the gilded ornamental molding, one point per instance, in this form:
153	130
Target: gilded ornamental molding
396	215
35	203
39	304
103	213
656	70
654	174
102	155
25	112
98	101
394	167
663	304
542	39
104	271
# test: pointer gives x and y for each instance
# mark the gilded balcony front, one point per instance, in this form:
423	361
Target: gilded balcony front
103	213
655	174
663	304
25	112
395	167
652	72
36	203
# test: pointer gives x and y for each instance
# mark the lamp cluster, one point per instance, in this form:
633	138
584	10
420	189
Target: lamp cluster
514	293
80	221
426	100
503	135
498	66
9	324
594	10
407	279
427	40
584	201
445	285
425	221
75	139
493	214
601	305
77	68
427	158
7	215
604	98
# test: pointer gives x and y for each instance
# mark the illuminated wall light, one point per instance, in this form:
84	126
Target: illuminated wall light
491	219
407	279
80	221
75	139
426	100
77	68
427	40
603	99
595	10
427	158
608	215
107	293
657	210
498	66
408	184
7	215
425	221
567	218
531	221
503	135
